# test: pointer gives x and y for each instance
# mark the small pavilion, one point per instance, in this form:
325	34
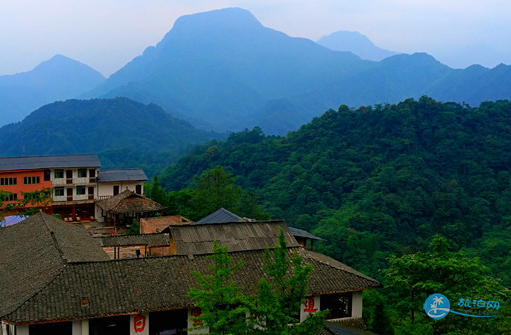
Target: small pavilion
122	208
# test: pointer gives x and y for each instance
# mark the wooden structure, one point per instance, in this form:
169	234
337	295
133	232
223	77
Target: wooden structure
126	206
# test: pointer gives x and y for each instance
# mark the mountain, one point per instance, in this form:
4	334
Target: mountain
383	180
223	70
356	43
55	79
124	133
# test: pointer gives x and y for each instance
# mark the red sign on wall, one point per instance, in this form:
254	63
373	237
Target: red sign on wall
139	323
309	305
196	312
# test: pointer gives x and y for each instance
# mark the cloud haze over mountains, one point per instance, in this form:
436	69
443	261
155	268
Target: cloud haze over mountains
223	70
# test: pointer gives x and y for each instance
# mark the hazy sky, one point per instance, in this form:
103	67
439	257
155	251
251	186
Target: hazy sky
106	34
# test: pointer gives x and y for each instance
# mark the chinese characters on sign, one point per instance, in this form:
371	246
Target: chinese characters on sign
196	312
309	305
479	304
139	323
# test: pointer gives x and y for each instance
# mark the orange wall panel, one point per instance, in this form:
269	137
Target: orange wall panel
20	186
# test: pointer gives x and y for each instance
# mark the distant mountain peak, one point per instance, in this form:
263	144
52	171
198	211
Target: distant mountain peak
226	18
356	43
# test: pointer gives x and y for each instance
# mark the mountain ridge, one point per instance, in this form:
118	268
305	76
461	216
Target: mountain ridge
58	78
223	70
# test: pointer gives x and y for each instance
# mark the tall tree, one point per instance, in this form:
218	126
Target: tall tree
273	309
222	304
280	296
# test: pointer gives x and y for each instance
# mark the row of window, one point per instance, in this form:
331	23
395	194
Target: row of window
80	190
10	197
31	180
81	173
14	181
9	181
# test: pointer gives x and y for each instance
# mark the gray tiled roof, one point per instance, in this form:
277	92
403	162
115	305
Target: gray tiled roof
48	162
220	216
198	239
303	233
129	202
151	240
106	176
159	283
36	250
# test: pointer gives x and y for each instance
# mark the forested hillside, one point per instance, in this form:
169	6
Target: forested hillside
381	180
124	133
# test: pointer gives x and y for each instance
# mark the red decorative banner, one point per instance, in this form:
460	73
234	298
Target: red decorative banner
309	305
139	323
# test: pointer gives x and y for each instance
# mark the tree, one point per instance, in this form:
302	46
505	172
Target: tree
273	309
223	306
280	296
134	228
215	189
157	193
412	278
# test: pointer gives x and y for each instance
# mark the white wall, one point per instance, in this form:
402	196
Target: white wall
356	307
139	324
107	189
308	306
22	330
190	325
80	327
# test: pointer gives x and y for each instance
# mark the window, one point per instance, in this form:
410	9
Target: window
339	305
59	191
116	189
92	173
82	173
8	181
10	197
80	190
138	189
46	175
31	180
59	174
91	190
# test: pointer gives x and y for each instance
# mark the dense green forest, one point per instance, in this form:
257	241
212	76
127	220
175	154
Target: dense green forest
380	180
124	133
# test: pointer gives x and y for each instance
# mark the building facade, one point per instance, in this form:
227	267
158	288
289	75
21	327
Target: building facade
74	182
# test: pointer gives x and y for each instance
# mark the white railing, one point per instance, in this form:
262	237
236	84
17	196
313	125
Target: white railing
59	198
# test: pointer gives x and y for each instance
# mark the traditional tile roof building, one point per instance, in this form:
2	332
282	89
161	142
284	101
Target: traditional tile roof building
126	206
237	236
58	279
159	223
220	216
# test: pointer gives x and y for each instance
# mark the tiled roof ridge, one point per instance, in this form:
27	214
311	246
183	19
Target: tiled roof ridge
229	223
59	155
344	267
124	235
154	258
128	169
54	239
